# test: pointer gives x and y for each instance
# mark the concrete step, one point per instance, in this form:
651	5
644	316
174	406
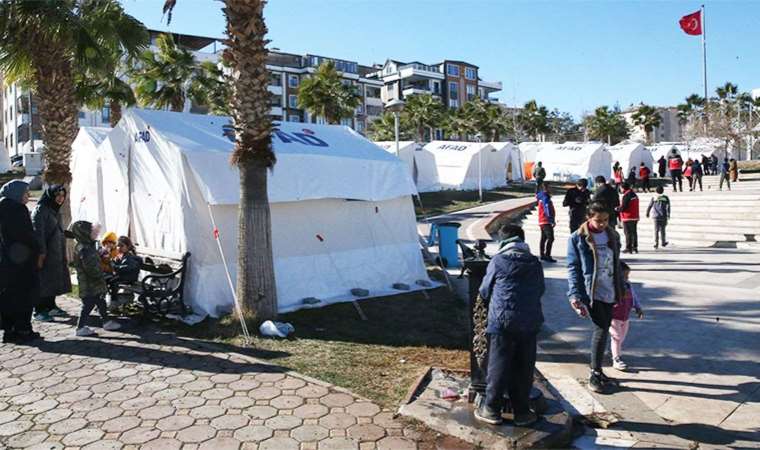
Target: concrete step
672	233
714	224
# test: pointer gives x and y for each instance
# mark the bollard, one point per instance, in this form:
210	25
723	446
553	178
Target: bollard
448	234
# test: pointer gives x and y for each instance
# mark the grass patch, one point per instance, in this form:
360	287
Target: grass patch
379	358
444	202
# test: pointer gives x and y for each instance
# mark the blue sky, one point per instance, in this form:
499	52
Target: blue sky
570	55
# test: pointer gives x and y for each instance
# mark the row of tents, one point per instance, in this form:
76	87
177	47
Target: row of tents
444	165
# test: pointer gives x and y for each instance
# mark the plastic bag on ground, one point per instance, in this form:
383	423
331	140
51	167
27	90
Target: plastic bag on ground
276	329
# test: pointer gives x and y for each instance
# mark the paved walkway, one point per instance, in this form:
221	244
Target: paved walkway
150	390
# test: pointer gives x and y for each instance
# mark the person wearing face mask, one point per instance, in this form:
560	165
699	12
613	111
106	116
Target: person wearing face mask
52	264
20	250
595	284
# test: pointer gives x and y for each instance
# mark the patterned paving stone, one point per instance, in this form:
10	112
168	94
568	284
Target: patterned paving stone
8	416
106	388
72	396
310	411
385	420
286	402
217	394
41	406
366	432
290	383
224	378
264	393
336	400
283	422
230	422
89	404
103	414
196	434
162	444
207	412
175	423
309	433
120	424
27	439
246	384
198	386
188	402
363	409
312	391
338	443
260	412
107	444
237	402
82	437
396	443
156	412
139	435
169	394
122	395
67	426
255	433
337	421
25	399
279	443
138	403
53	416
220	443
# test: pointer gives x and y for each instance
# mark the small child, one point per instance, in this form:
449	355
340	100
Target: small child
126	264
659	208
620	314
107	252
546	220
91	279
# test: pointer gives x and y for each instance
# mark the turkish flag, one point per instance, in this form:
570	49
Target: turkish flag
692	24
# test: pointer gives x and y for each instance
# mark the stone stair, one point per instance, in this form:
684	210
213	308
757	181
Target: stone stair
710	218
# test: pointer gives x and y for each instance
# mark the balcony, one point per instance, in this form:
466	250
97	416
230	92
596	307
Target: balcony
276	111
373	101
490	86
276	90
412	90
419	72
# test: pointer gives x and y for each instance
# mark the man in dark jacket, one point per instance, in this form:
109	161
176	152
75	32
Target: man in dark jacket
608	196
539	174
514	284
662	166
629	215
577	199
20	253
675	165
659	208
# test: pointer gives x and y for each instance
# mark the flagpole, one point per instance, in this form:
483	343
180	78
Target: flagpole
704	61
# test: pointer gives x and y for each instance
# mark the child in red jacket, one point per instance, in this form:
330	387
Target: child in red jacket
644	173
629	215
546	220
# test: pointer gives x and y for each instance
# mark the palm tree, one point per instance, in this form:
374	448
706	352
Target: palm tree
496	123
163	78
45	44
648	118
534	119
324	95
461	123
253	154
384	128
606	125
423	112
211	87
727	92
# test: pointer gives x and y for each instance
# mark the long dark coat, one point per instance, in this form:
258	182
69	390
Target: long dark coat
48	228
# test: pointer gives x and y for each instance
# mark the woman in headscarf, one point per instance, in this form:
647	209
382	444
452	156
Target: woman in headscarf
20	250
54	274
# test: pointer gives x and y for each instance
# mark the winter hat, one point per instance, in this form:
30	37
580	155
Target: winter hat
48	197
14	190
109	237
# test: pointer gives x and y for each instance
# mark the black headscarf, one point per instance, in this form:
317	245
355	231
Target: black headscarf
48	197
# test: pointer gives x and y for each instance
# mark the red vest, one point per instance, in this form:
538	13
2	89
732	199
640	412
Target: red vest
644	172
675	163
631	212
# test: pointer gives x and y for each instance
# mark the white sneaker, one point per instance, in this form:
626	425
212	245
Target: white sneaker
111	325
85	331
619	364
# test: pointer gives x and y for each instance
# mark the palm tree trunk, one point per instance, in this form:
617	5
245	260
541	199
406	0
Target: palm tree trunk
178	104
255	282
59	120
247	53
115	115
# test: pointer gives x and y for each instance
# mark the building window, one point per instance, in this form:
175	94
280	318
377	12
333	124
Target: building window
293	101
105	114
452	70
436	88
391	88
360	89
470	73
294	118
453	103
454	91
374	110
470	91
293	81
360	126
347	122
360	109
482	92
438	134
373	92
81	115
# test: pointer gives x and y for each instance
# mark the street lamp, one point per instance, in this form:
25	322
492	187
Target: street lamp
396	106
480	169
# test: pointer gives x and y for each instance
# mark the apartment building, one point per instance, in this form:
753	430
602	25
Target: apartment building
670	129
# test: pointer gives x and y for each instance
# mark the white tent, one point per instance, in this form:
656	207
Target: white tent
87	175
5	161
342	213
574	160
421	163
693	150
514	161
631	155
464	165
528	152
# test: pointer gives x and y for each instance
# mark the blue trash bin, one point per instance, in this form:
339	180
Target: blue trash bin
448	233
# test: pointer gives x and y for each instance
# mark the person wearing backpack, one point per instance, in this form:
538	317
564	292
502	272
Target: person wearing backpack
629	215
54	269
659	208
539	173
724	175
20	251
675	164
